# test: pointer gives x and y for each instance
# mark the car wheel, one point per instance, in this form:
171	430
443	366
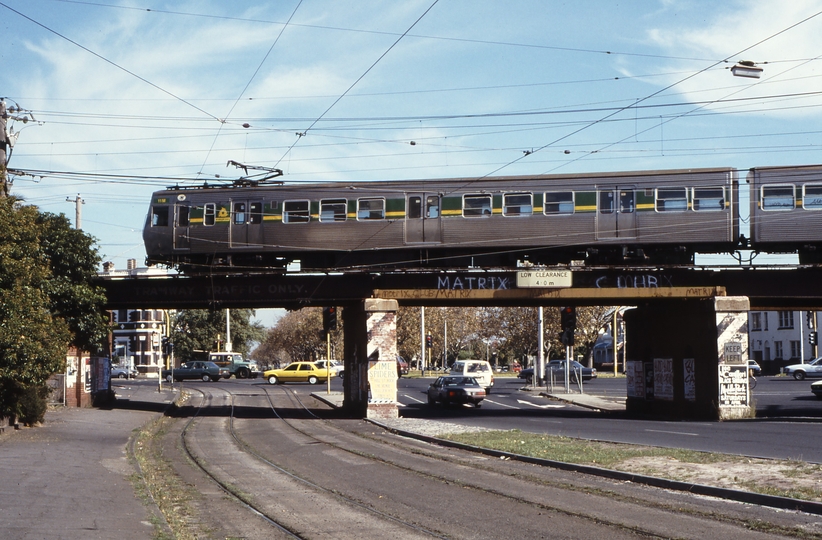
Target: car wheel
341	374
242	373
488	391
272	379
206	377
799	375
169	378
431	400
312	380
121	376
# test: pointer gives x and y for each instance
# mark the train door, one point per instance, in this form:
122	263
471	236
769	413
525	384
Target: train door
616	213
181	227
246	224
422	218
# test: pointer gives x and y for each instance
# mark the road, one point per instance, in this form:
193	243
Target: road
786	427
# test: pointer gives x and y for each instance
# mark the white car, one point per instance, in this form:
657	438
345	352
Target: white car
800	371
335	367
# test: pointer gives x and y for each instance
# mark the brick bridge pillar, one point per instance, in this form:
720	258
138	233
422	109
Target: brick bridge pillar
370	335
688	358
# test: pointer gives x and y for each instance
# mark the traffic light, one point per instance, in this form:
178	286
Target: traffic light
429	341
568	323
813	338
164	346
329	320
809	318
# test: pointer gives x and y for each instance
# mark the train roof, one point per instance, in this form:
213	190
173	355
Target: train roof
423	183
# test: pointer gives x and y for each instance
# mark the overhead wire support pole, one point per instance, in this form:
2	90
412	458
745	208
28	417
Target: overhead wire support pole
4	187
78	213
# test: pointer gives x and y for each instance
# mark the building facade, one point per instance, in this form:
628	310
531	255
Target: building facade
137	334
779	338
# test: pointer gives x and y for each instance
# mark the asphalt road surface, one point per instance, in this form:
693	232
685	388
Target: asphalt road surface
787	424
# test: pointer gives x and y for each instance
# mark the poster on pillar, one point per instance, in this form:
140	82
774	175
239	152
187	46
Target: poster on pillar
664	378
382	381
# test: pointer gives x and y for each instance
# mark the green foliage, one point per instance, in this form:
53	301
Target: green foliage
46	302
200	329
297	336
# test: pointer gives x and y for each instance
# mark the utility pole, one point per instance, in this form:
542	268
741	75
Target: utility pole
7	139
78	214
4	187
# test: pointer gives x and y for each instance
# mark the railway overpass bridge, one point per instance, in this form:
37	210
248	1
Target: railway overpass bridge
690	324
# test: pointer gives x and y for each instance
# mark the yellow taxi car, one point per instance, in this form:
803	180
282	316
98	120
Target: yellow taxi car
297	372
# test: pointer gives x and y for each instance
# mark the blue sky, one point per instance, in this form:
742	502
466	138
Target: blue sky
132	96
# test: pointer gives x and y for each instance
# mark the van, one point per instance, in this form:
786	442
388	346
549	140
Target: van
479	369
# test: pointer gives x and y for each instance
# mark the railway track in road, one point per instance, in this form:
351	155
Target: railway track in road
302	476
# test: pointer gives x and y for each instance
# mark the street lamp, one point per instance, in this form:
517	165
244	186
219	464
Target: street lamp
746	68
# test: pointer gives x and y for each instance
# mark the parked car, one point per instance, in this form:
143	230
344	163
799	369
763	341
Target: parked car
557	368
800	371
123	372
207	371
297	372
479	369
754	368
816	388
455	389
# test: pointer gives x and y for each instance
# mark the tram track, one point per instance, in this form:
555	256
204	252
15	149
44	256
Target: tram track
402	493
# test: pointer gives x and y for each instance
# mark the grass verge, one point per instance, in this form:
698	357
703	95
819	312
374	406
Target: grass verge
784	478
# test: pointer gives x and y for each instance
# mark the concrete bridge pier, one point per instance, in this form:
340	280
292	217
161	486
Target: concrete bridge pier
370	381
688	358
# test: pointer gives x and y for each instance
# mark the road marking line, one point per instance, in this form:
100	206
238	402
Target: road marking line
546	406
501	404
412	398
673	432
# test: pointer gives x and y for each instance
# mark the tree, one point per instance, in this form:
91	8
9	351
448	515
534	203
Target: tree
298	336
46	303
202	329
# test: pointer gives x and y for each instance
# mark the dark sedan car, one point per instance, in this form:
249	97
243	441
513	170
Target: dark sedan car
451	389
205	371
557	369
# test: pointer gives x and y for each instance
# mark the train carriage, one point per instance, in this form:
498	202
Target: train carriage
786	211
649	217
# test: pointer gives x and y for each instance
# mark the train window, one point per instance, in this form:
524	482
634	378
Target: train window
606	202
709	199
775	198
671	200
295	212
209	213
414	207
255	214
333	209
812	197
517	204
371	209
183	216
559	202
239	213
432	206
159	216
476	206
